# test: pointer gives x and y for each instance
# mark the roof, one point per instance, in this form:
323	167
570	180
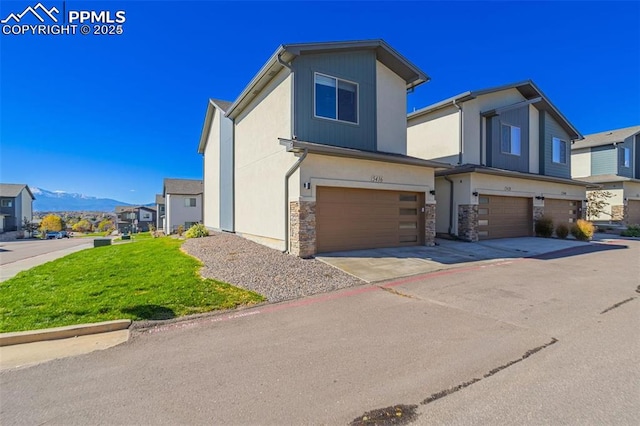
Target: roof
608	179
527	89
159	199
606	137
214	104
120	209
286	53
182	186
387	157
472	168
14	189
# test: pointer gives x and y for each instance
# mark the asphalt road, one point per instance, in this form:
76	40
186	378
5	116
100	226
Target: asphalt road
544	341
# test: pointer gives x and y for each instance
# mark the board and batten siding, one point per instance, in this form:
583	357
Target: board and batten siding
637	157
358	67
549	129
495	157
604	160
625	171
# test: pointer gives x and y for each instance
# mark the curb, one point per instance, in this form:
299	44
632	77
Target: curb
20	337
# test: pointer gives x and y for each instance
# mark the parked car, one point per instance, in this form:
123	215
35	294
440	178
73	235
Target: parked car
57	235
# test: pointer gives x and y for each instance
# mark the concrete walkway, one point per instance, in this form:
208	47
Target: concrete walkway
390	263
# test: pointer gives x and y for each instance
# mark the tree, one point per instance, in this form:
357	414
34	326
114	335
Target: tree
597	202
51	222
105	225
83	226
28	225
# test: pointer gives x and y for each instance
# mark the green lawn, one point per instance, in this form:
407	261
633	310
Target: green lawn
151	279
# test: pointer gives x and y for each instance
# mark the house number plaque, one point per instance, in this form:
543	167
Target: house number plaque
376	178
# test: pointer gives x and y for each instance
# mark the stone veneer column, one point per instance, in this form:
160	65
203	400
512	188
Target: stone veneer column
618	212
302	225
468	222
429	224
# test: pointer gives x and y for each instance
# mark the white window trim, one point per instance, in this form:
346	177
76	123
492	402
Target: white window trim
625	163
502	123
565	150
336	119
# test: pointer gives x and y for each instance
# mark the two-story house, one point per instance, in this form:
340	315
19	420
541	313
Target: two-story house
183	203
312	155
160	212
511	150
16	204
611	159
135	218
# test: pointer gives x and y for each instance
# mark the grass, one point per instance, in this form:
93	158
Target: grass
149	280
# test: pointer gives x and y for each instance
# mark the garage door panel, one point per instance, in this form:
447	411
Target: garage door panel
633	212
562	211
504	217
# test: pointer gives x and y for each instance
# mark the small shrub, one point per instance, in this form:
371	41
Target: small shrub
180	230
562	230
631	231
544	227
582	230
197	231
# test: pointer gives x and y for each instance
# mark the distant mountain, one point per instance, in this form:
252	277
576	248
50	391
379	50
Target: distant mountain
60	201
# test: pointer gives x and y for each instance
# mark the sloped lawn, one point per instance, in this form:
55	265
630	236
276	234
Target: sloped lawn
147	279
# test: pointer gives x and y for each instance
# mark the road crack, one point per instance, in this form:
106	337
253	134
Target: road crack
398	293
612	307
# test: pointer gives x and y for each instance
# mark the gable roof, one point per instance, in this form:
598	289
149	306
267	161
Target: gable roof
527	89
286	53
473	168
608	179
14	189
182	186
159	199
214	104
121	209
607	137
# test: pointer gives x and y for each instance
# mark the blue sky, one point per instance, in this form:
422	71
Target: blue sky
112	115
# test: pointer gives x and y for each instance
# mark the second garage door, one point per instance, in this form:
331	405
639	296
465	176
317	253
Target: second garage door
504	217
633	212
563	211
353	219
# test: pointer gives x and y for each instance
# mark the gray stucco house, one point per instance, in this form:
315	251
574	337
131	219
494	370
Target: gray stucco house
16	203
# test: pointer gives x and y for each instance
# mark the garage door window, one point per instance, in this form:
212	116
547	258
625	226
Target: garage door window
406	197
408	212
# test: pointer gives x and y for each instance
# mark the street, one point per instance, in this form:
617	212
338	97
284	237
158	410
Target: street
545	340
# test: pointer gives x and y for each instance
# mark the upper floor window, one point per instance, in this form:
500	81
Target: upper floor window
336	99
559	151
510	139
6	203
189	202
625	157
145	216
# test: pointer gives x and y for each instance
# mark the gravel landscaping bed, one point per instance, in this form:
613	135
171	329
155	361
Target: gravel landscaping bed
275	275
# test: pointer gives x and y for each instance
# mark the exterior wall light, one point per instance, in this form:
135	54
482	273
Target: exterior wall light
432	192
539	197
474	193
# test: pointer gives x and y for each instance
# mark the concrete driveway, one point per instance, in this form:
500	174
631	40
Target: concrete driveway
389	263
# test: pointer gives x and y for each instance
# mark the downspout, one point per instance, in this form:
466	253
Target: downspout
460	132
291	171
450	204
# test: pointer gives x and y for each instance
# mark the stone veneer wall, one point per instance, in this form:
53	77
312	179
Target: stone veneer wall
538	212
302	225
468	222
618	212
429	224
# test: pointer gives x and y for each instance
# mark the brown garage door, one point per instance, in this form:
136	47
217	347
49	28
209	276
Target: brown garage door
352	219
633	209
504	217
562	211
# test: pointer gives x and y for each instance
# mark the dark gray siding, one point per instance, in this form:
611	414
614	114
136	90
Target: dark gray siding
226	174
604	160
625	171
358	67
10	221
552	129
637	157
495	157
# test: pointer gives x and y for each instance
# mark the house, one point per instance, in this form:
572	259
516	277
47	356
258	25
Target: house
183	203
160	211
16	205
135	218
611	159
312	155
511	150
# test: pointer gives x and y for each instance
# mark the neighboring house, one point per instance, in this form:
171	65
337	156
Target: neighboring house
183	203
16	204
160	209
311	157
611	159
511	148
135	218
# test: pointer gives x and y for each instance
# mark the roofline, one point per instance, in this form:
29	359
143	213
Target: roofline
334	151
508	173
275	64
206	127
23	186
605	143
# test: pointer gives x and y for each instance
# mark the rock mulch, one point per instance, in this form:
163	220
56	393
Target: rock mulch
275	275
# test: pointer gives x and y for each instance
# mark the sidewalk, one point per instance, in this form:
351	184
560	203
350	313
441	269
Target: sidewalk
9	270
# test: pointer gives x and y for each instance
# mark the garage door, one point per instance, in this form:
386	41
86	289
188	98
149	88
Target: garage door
633	209
352	219
504	217
563	211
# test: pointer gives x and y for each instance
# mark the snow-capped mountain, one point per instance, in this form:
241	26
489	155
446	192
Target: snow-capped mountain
51	201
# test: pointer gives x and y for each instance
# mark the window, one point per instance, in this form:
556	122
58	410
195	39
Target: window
189	202
625	157
146	215
6	203
510	139
336	99
188	225
559	151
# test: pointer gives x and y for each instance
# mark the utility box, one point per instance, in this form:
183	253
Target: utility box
126	237
101	242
